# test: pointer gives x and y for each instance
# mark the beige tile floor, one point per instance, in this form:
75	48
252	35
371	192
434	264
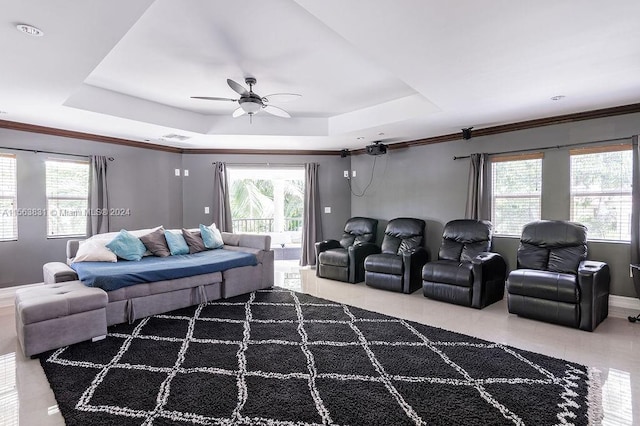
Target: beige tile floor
614	348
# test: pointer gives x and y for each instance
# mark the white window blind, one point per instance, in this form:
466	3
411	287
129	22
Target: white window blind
8	198
67	197
601	180
516	183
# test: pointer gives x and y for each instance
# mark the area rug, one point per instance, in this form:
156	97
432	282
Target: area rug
278	357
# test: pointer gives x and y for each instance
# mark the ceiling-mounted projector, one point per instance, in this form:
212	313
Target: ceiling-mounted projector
376	149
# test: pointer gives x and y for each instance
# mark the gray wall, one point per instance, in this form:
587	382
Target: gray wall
425	182
334	191
139	179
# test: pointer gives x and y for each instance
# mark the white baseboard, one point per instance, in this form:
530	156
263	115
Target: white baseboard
619	306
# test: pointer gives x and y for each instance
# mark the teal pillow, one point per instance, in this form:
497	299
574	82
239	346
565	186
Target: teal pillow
211	236
127	246
177	244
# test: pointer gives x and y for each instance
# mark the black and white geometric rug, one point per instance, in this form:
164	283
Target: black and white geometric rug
277	357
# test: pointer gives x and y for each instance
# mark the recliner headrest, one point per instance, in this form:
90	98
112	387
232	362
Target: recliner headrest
554	233
359	230
403	234
467	231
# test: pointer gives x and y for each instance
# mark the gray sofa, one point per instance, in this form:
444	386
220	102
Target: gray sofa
141	300
64	311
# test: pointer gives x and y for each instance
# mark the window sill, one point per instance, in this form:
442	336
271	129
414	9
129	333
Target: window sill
60	237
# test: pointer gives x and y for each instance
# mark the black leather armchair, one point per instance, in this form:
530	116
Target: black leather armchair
398	267
466	272
344	260
554	282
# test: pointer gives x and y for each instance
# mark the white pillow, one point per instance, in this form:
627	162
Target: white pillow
94	251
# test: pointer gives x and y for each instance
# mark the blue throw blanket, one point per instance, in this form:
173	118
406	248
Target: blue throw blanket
112	276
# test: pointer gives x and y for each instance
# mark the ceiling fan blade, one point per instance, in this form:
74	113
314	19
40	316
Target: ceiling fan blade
237	88
279	112
238	112
213	98
281	97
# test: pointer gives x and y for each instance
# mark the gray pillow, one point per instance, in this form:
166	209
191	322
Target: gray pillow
156	243
194	241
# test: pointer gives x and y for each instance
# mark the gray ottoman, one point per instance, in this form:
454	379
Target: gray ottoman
56	315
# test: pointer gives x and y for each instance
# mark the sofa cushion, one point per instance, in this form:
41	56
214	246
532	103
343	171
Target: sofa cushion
211	236
449	272
544	285
156	243
335	257
127	246
177	244
94	251
41	303
194	241
385	263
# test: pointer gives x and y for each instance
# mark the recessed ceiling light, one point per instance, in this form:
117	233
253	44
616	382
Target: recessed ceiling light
3	112
360	138
381	134
29	29
558	97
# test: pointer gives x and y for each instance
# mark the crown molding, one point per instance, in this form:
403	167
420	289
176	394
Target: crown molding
521	125
487	131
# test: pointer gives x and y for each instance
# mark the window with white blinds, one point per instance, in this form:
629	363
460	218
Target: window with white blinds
516	189
67	197
8	198
601	181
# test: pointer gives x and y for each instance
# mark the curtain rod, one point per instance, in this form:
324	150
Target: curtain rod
264	164
515	151
39	151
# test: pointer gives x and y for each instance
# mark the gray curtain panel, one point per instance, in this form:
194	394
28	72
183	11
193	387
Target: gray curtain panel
222	207
635	214
312	230
478	188
97	222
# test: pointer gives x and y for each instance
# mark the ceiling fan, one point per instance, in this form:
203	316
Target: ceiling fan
251	103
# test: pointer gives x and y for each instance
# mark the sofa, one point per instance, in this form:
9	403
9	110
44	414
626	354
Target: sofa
140	300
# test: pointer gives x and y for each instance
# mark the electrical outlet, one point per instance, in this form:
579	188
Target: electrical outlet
346	174
186	172
353	173
327	209
206	210
177	172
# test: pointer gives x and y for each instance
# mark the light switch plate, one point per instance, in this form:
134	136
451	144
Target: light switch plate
186	172
177	172
206	210
353	173
327	209
346	173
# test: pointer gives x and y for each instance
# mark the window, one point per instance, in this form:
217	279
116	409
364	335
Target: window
8	197
67	197
268	200
516	183
601	181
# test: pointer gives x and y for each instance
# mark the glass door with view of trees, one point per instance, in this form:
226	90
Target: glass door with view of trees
268	200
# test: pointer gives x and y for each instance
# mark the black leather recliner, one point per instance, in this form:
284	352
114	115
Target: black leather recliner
554	282
398	267
466	272
344	260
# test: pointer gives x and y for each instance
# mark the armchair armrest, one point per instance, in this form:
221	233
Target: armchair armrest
58	272
593	281
326	245
489	274
357	253
413	261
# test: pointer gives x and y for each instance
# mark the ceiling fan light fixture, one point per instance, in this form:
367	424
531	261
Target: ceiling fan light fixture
250	106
